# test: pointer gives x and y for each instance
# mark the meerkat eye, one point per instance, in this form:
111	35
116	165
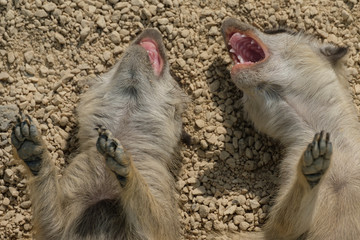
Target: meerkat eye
275	31
279	30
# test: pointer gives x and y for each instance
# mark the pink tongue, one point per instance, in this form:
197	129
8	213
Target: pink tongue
234	41
153	53
246	47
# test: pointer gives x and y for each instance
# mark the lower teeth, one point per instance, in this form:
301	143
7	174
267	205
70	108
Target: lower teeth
240	59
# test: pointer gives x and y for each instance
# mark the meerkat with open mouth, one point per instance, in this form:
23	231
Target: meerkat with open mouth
120	185
295	90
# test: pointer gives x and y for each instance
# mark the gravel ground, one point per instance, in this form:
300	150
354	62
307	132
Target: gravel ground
48	51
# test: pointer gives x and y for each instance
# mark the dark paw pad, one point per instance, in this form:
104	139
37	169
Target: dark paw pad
28	143
116	158
316	159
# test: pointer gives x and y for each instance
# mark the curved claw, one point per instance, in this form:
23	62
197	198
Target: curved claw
316	158
115	156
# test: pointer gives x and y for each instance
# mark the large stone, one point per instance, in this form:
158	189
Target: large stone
4	76
244	226
203	211
230	210
7	115
40	13
199	191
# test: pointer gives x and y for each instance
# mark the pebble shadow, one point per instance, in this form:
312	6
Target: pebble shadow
241	161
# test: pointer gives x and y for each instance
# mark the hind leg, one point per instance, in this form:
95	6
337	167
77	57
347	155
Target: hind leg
30	148
291	215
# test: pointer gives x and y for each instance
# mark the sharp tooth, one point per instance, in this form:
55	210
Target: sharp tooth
240	59
232	50
252	42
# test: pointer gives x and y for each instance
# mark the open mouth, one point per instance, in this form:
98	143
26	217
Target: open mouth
153	52
246	49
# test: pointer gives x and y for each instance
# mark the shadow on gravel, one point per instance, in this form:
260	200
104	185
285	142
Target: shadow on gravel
72	143
240	160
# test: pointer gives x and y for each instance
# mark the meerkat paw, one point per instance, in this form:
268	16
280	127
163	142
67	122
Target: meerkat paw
116	157
27	141
316	158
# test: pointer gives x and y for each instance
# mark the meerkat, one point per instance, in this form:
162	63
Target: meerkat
295	90
120	185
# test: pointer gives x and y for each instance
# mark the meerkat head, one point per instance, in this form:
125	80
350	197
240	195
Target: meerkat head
245	48
145	58
151	41
260	57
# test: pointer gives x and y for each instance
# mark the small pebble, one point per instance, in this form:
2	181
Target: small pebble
60	38
49	7
115	37
84	32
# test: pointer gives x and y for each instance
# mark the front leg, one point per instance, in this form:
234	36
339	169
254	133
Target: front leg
142	208
316	158
291	214
115	156
28	144
45	195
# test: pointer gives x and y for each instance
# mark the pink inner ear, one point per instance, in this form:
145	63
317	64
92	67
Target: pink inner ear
154	55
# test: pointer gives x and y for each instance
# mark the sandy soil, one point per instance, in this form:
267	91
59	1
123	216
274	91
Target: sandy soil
48	51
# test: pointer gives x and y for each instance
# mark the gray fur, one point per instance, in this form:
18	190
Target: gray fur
142	112
300	90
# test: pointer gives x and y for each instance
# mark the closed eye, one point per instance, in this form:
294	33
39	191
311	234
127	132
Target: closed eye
279	30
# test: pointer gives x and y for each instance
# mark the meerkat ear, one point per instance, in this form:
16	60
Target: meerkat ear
333	53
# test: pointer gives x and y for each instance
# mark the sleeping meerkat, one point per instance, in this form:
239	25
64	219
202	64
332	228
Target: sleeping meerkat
120	185
295	90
